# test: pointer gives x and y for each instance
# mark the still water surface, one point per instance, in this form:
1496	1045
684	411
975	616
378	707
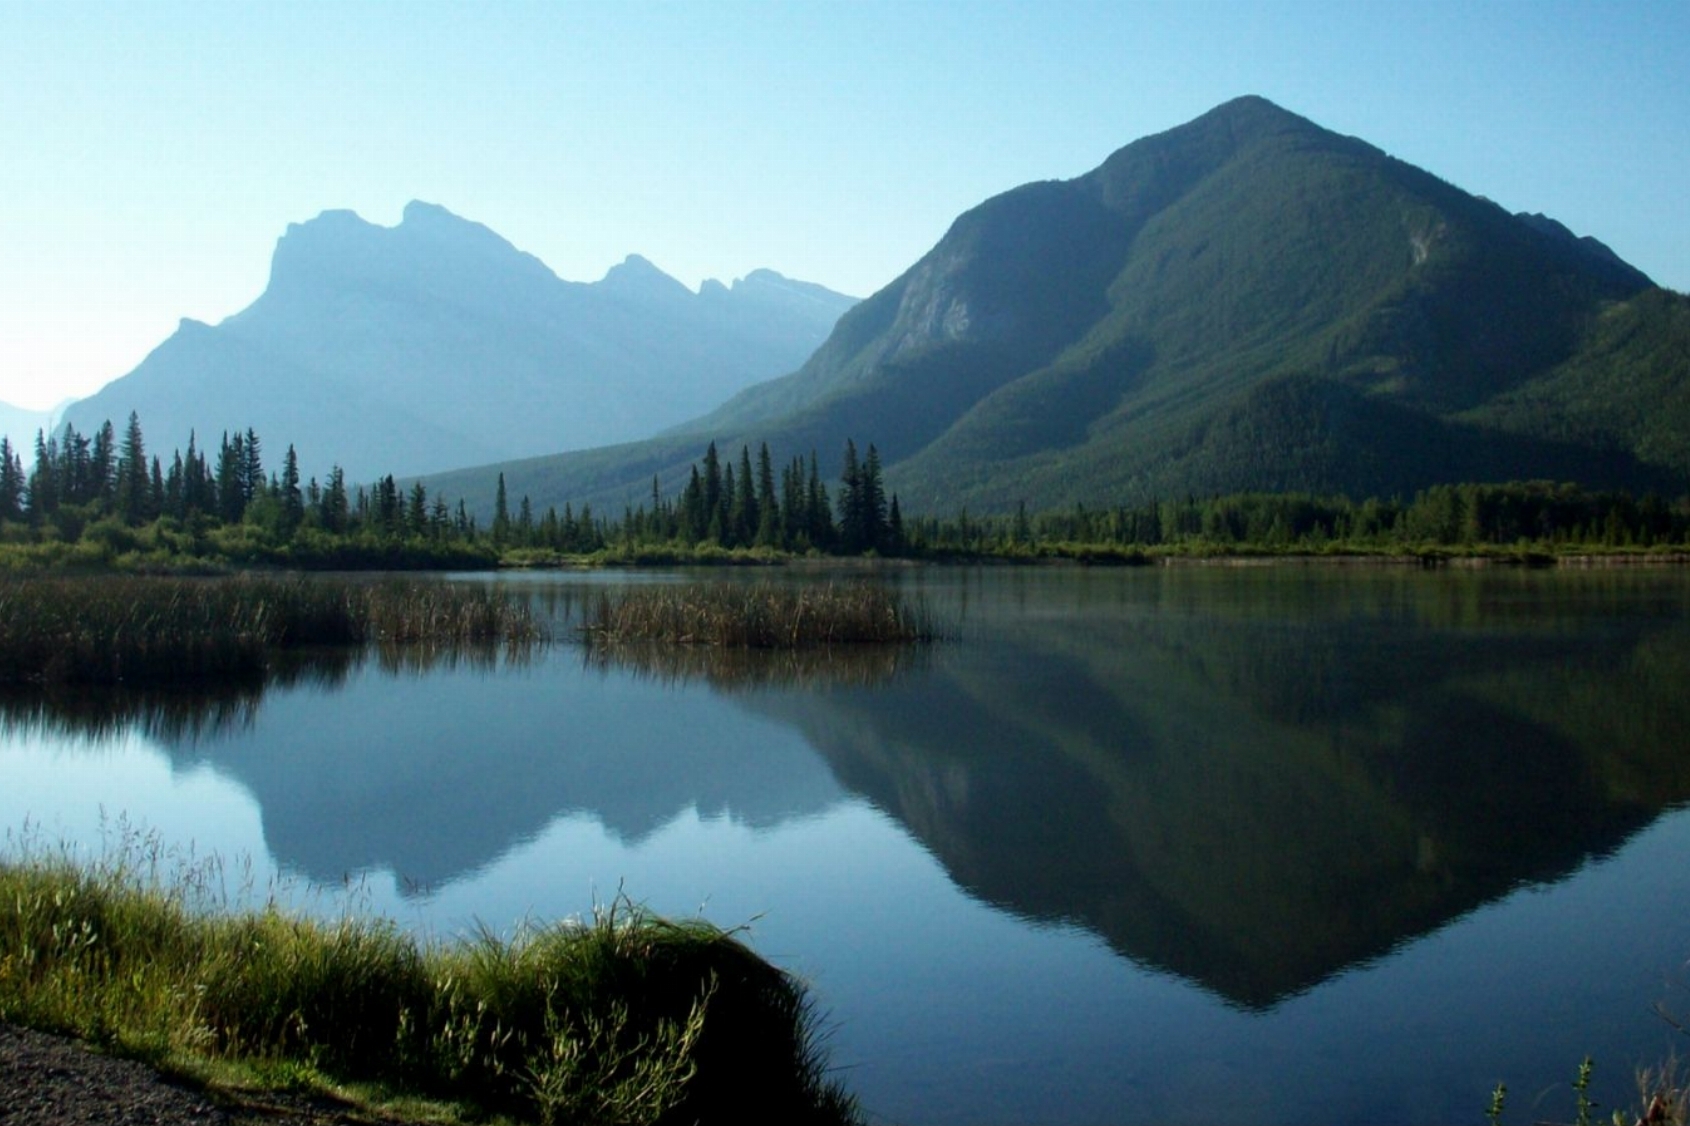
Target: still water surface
1158	845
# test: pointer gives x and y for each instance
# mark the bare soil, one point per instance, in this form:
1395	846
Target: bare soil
48	1080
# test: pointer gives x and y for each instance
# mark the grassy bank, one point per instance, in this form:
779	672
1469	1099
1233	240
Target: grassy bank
758	615
117	629
622	1019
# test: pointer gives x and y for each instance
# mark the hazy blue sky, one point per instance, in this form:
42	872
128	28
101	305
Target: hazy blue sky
154	152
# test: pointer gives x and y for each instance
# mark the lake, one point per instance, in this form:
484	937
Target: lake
1182	844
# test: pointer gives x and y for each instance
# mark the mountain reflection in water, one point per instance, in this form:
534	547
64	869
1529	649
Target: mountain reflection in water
1253	780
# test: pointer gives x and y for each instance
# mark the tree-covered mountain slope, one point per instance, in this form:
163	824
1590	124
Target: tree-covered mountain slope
1245	302
436	343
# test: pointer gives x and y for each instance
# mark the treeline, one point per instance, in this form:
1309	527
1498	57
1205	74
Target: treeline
1531	515
102	500
737	509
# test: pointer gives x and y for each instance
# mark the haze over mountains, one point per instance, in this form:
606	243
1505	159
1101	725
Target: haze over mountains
1245	302
436	343
20	425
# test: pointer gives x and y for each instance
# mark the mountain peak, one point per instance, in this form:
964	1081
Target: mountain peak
637	275
420	212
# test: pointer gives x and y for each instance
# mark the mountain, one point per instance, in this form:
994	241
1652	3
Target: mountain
20	425
436	343
1245	302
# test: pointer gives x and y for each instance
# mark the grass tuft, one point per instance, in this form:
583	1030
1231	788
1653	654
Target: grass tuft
622	1018
130	630
758	615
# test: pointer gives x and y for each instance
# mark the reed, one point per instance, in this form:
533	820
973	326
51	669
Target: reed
132	630
758	615
621	1018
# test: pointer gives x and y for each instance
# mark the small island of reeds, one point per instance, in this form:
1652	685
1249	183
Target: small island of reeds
758	615
132	630
621	1018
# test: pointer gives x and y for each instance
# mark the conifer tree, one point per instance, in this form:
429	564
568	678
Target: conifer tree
501	515
43	483
767	532
853	536
871	501
293	501
132	481
11	482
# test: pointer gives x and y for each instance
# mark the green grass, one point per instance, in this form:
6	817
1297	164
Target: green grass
758	615
131	630
623	1018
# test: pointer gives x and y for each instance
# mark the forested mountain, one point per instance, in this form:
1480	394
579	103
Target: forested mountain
1246	302
436	343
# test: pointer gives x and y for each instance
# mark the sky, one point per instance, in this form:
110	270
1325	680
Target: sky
154	152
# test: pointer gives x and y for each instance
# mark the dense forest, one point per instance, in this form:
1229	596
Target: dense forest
103	501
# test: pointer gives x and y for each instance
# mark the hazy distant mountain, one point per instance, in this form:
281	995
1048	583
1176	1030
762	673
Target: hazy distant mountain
21	426
436	343
1245	302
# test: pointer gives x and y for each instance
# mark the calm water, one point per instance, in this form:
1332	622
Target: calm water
1179	845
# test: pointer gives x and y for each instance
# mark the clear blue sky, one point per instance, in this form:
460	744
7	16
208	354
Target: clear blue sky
154	152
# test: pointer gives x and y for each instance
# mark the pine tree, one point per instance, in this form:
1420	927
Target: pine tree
43	483
501	515
336	511
768	505
293	501
853	536
101	481
11	482
231	492
251	468
416	511
743	513
818	514
691	520
871	501
155	491
132	482
712	484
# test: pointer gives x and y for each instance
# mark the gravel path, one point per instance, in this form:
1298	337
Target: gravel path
48	1080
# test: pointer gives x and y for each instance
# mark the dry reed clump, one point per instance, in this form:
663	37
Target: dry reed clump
758	615
623	1018
134	630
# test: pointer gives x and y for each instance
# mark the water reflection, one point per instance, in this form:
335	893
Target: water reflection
742	670
1250	779
1258	783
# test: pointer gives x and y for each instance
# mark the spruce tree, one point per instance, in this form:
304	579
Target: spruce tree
871	501
853	536
132	482
501	515
11	482
43	483
293	501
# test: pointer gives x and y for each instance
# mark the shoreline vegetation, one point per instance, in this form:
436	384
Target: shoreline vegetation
621	1018
757	616
124	629
100	504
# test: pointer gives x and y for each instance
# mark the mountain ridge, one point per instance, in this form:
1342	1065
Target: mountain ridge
436	342
1088	340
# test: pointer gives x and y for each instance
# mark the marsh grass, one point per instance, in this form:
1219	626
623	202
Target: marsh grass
131	630
758	615
623	1018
